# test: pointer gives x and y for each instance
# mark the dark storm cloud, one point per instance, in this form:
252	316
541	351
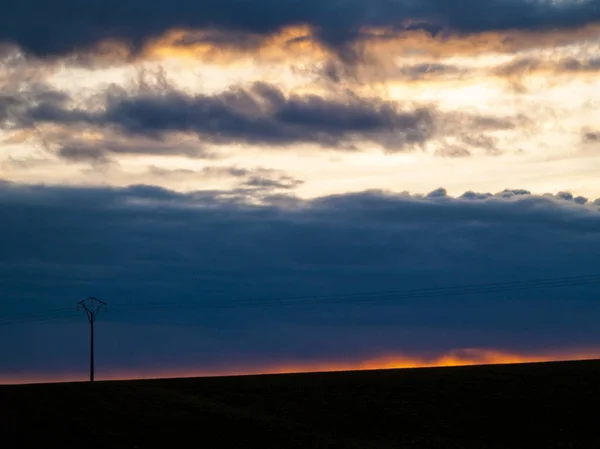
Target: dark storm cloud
62	26
265	115
366	231
257	115
144	246
261	115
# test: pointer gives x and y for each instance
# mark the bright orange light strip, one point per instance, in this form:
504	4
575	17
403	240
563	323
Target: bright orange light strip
462	357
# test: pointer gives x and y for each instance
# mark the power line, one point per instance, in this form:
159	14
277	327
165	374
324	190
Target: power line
389	295
495	287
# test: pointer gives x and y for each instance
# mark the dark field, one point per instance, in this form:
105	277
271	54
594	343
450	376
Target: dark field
545	405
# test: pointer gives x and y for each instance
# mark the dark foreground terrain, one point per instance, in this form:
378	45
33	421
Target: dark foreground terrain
546	405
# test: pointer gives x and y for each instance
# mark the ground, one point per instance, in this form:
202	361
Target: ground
542	405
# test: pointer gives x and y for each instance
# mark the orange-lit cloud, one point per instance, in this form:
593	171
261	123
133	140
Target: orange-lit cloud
460	357
295	42
292	42
420	42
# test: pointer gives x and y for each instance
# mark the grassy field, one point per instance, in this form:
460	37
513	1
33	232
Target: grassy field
544	405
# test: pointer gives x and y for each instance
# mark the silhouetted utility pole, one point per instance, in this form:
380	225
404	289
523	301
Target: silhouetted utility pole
91	306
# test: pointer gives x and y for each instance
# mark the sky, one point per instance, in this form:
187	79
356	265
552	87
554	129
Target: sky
274	185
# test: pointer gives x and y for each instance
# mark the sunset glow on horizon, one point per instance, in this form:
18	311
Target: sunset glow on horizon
457	358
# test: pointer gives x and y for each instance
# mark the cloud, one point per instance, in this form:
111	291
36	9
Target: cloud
68	26
282	182
371	52
591	136
382	70
16	104
531	65
144	246
248	179
154	121
17	70
340	232
104	146
261	115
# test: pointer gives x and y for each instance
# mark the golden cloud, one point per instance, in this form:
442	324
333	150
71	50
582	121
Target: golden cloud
292	43
289	43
